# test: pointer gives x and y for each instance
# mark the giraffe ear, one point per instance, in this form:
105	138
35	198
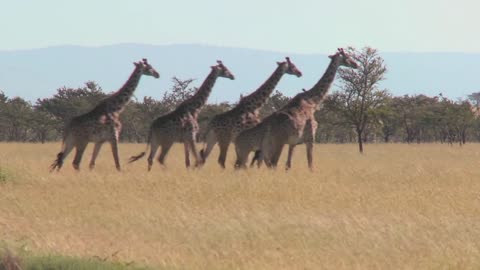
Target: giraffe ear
136	64
331	56
279	63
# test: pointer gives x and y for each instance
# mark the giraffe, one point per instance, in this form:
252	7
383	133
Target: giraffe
223	128
181	125
257	157
102	123
292	124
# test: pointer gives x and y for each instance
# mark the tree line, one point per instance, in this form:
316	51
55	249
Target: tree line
359	112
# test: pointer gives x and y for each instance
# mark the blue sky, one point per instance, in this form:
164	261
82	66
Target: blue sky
300	26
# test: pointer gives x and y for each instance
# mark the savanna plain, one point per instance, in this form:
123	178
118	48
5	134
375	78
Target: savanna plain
395	207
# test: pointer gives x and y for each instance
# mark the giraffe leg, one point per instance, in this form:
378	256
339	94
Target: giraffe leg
256	155
80	148
266	152
186	146
223	153
258	158
195	153
153	150
242	157
277	152
265	159
309	146
114	145
310	131
291	147
165	148
96	150
210	142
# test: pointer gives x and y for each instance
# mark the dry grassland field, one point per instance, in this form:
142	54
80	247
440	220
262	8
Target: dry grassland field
395	207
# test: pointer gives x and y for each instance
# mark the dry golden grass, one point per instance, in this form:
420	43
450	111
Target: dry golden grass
396	207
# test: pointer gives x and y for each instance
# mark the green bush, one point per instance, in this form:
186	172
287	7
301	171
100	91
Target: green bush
3	175
12	262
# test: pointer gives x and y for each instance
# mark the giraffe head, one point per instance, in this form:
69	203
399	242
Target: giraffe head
223	70
146	68
344	59
290	67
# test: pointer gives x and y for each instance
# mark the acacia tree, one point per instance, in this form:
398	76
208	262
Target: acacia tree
332	126
43	126
360	96
475	99
18	114
3	118
412	113
180	91
388	119
70	102
457	118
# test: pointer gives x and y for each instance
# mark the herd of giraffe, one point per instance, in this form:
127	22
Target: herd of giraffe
293	124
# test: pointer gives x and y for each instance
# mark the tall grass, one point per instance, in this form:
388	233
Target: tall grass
395	207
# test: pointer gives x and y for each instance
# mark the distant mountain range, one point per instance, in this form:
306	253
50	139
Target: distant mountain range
37	73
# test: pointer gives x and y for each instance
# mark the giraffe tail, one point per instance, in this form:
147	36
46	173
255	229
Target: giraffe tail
142	154
256	158
57	164
137	157
202	151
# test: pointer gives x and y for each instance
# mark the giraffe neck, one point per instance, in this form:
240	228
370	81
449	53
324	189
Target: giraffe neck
318	92
256	99
119	99
199	99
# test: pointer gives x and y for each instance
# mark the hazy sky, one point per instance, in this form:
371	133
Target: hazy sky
302	26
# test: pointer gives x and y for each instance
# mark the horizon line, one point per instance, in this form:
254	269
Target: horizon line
218	46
